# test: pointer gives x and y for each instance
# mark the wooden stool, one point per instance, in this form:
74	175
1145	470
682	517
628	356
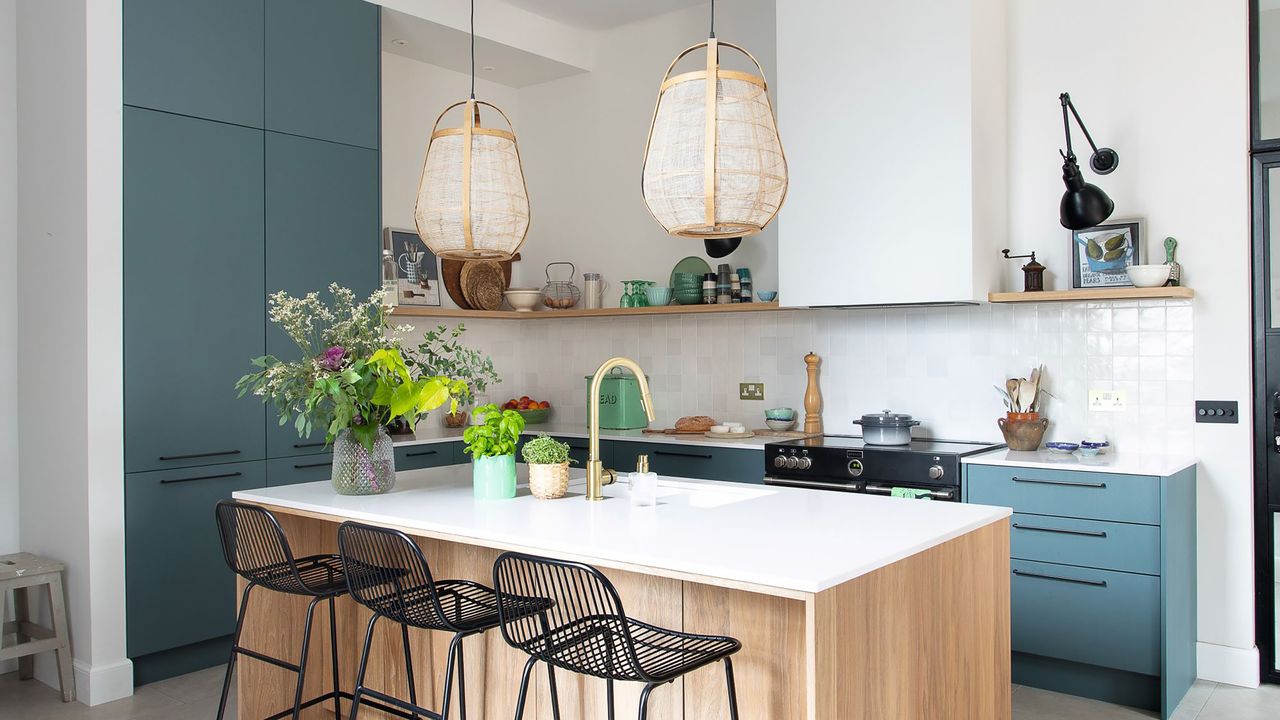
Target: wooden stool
22	573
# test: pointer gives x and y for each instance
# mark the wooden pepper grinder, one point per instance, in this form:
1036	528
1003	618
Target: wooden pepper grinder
812	397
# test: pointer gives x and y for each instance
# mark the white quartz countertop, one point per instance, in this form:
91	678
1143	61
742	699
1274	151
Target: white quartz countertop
428	433
790	539
1113	461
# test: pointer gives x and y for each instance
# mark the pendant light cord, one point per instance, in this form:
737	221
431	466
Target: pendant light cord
713	18
473	49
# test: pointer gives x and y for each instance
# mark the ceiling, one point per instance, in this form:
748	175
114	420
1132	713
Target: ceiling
442	46
601	14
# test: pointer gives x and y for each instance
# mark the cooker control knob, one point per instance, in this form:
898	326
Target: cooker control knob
780	462
805	463
855	467
936	472
793	463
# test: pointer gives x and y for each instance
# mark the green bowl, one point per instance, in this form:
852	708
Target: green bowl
688	298
535	417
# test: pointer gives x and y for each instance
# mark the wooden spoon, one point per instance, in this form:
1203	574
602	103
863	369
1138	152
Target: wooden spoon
1011	386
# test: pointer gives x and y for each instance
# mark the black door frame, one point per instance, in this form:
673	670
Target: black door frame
1264	154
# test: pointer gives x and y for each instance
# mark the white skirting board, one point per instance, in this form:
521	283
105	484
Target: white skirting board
94	684
1230	665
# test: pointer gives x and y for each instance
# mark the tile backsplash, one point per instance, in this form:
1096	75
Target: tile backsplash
938	364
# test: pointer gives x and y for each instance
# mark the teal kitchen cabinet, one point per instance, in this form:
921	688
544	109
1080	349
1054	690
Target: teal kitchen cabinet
428	455
178	588
1102	580
202	58
693	460
322	70
193	288
322	227
579	449
299	469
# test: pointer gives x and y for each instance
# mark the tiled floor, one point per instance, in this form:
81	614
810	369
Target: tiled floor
195	697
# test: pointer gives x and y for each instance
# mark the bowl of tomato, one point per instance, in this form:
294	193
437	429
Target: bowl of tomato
533	411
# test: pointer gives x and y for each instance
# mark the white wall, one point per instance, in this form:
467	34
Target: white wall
582	139
8	275
69	159
1184	167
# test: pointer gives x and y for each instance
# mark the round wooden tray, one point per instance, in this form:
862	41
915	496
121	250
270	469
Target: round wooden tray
451	278
482	284
730	436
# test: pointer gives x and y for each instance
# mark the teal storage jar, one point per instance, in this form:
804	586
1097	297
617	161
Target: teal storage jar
620	406
494	477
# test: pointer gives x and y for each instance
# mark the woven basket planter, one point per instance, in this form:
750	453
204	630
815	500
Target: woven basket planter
472	200
549	482
713	164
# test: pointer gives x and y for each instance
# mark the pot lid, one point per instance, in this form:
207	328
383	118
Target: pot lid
886	418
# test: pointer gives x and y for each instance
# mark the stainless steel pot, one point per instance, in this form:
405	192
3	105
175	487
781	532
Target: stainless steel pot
886	428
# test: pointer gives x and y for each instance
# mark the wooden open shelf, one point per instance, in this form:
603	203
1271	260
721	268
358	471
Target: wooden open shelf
1127	293
435	312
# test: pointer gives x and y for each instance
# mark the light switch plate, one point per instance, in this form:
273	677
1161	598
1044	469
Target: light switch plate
1217	411
751	391
1107	400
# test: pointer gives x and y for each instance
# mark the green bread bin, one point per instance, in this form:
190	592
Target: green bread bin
620	406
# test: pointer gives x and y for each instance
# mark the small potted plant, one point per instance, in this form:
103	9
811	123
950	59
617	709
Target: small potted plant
548	460
442	353
492	446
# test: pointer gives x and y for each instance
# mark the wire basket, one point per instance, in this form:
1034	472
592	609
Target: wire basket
561	294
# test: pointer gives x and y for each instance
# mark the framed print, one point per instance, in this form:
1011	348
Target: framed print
1099	255
417	270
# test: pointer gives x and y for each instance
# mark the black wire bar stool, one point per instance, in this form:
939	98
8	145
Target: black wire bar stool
390	576
584	629
256	549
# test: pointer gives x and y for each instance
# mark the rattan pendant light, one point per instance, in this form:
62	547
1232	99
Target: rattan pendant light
472	200
713	164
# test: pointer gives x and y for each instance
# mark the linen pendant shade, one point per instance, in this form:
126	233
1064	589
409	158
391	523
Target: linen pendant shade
472	200
713	163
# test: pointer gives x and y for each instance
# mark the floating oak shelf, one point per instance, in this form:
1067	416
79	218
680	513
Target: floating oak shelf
1128	293
435	312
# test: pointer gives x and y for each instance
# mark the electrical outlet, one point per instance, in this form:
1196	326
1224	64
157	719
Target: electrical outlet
751	391
1107	400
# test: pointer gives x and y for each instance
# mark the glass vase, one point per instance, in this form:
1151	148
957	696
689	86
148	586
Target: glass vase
360	471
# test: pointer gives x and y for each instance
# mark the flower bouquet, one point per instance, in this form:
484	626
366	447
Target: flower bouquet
351	380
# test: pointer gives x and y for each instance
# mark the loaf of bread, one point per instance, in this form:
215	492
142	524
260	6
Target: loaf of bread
694	423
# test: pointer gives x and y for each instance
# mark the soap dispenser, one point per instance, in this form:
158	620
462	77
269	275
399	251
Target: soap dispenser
644	484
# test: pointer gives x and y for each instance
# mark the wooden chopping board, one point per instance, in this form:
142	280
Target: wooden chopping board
761	431
451	276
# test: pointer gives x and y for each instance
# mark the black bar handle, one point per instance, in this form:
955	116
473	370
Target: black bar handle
199	477
199	455
299	446
1059	578
1064	531
1069	483
700	456
419	453
313	465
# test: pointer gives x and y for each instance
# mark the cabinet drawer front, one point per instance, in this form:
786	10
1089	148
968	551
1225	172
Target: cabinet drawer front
1099	617
301	469
1097	496
696	461
579	451
1088	543
416	457
177	584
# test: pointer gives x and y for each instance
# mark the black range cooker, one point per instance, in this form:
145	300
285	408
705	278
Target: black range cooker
924	468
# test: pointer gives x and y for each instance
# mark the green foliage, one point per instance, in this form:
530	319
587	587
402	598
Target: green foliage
497	436
441	353
545	450
351	376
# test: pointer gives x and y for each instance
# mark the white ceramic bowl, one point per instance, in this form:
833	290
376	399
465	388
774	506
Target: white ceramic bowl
523	300
1148	275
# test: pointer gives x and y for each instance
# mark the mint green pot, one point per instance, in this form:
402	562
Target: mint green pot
494	478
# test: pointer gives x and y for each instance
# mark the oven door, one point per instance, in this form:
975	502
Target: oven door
855	486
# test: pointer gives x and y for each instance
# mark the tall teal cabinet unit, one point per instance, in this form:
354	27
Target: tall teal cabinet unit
251	165
1103	580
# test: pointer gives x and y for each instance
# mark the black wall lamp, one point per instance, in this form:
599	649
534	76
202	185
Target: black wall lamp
1084	205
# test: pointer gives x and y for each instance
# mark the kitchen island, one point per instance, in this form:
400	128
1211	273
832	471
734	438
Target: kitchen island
847	606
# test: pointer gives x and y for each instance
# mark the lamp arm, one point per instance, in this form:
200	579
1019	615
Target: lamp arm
1068	105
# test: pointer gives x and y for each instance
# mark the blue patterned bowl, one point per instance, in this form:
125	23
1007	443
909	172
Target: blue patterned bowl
1065	448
